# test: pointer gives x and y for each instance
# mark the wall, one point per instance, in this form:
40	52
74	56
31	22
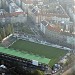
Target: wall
0	4
21	19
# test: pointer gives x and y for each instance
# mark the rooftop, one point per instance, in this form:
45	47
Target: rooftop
12	14
15	8
49	11
27	1
44	23
53	28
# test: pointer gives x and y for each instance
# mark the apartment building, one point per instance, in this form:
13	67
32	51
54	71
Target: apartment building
53	12
55	34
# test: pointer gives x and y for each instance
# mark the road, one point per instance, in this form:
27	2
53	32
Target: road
67	72
34	28
66	69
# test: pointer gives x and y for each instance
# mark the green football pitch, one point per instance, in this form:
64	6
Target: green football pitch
40	50
24	55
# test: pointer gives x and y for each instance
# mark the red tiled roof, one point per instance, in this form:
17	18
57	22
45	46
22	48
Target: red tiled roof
11	14
52	14
53	28
16	13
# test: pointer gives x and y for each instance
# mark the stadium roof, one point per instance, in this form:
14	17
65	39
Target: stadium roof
24	55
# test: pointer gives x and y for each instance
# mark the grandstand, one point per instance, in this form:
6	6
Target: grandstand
24	55
8	40
23	59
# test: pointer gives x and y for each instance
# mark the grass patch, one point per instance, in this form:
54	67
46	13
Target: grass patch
45	51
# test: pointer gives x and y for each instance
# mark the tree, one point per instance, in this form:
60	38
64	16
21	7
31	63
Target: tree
0	38
3	32
8	29
38	72
12	28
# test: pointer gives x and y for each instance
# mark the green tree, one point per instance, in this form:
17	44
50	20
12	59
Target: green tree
3	32
12	28
8	29
0	38
38	72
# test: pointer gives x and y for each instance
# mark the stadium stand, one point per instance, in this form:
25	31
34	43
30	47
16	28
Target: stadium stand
28	60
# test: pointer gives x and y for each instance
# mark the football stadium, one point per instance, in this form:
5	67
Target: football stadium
24	55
